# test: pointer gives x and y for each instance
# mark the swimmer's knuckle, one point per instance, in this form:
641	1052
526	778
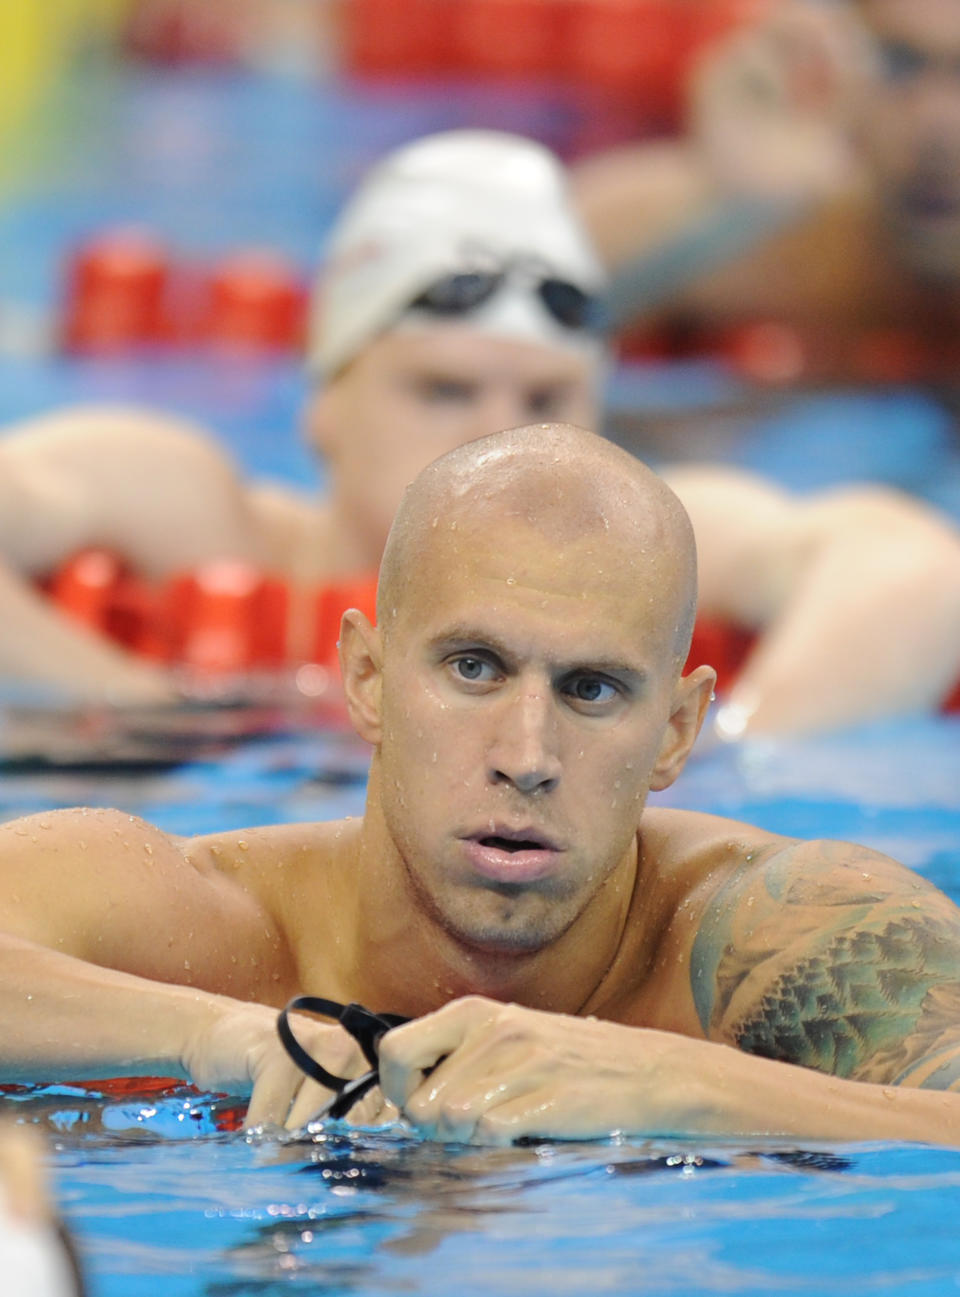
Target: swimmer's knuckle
418	1108
511	1024
474	1004
493	1128
452	1111
509	1031
389	1050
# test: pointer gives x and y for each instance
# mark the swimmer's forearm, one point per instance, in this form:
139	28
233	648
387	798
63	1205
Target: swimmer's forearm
63	1018
871	627
576	1078
759	1096
41	649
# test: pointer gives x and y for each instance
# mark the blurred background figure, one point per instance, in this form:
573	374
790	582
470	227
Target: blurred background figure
39	1259
817	185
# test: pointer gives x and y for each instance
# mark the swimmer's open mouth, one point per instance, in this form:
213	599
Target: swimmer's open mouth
513	841
510	856
513	844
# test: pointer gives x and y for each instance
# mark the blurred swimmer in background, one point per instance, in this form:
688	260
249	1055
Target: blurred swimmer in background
818	182
457	298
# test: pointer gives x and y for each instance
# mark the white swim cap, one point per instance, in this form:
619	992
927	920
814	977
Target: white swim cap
447	204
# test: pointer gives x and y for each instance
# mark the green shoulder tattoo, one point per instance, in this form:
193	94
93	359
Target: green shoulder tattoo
805	959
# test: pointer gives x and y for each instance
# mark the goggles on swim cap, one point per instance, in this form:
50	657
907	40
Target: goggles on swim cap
460	203
464	291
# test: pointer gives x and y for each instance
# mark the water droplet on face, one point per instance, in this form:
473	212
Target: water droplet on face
511	580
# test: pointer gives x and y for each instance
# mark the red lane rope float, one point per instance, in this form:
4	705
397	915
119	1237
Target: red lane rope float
221	617
232	617
117	293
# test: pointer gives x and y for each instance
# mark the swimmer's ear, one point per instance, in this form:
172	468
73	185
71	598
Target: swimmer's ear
360	661
691	698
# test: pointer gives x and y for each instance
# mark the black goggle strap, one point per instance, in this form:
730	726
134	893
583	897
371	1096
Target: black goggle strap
367	1029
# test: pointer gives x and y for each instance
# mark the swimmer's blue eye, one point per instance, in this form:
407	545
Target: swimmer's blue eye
472	668
591	689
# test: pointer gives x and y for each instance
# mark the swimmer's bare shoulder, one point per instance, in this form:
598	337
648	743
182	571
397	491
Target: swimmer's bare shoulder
108	888
300	874
821	953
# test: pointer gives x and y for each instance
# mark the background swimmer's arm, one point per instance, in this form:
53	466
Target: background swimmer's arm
152	488
835	958
42	650
767	139
155	488
855	593
870	628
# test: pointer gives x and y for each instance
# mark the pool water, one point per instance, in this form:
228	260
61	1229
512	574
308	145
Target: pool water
382	1213
165	1196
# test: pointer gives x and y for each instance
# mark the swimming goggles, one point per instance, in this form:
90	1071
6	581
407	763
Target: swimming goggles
464	291
366	1027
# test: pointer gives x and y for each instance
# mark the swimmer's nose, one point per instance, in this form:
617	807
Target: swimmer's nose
524	750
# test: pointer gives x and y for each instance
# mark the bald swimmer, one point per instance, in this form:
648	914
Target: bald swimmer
575	964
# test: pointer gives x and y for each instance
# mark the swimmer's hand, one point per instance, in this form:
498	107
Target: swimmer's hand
771	105
237	1051
504	1072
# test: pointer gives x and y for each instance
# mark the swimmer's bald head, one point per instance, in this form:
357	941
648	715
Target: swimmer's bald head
569	486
